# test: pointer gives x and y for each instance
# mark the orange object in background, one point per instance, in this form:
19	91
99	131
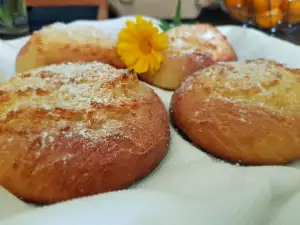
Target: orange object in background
293	18
238	9
266	5
269	19
265	13
241	14
232	4
291	6
268	12
292	9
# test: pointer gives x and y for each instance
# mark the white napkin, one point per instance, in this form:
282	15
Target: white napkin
189	187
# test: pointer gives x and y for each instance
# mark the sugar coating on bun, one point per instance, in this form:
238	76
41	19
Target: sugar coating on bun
191	47
61	43
74	32
204	40
79	129
245	112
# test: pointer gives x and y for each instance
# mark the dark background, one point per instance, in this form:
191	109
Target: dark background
42	16
39	17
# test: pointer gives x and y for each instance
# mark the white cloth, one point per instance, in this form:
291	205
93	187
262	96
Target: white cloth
189	187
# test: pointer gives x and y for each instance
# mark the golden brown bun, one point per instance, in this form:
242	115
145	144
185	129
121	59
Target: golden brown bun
80	129
60	43
246	112
191	47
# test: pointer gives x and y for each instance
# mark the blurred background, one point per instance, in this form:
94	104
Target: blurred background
164	9
276	17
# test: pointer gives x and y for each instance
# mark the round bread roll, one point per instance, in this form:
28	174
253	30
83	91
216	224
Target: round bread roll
60	43
191	47
245	112
79	129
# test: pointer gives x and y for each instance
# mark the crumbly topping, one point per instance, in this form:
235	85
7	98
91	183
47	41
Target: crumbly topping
258	81
71	86
80	34
72	100
194	39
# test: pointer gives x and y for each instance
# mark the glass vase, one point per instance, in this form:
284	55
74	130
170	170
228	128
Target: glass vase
13	18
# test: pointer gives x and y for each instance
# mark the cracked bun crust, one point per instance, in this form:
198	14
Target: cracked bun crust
79	129
191	47
246	112
61	43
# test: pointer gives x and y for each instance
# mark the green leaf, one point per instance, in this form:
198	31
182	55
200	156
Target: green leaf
177	18
164	25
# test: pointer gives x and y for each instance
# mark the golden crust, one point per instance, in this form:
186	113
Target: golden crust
60	43
246	112
191	47
78	130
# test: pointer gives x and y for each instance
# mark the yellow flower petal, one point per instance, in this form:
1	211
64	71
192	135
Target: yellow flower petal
125	46
153	66
139	19
140	45
130	24
125	36
141	65
161	42
159	57
130	60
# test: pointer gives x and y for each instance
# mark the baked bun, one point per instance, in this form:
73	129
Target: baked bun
60	43
191	47
81	129
245	112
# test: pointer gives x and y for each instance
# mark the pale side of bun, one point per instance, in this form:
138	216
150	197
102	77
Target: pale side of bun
246	112
191	47
60	43
79	129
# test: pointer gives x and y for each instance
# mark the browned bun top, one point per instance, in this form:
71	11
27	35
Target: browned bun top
245	111
260	82
79	129
60	43
203	40
191	47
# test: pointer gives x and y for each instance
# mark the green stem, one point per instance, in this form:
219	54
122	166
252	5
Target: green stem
177	18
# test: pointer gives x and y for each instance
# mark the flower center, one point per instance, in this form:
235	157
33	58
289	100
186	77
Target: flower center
145	46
